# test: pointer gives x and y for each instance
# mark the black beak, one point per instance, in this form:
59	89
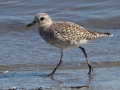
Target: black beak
31	24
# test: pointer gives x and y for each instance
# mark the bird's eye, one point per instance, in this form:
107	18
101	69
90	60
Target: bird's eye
42	18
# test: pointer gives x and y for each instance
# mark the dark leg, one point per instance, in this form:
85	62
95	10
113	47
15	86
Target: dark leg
51	74
90	67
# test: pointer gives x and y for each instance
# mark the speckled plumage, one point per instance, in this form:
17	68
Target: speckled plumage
65	35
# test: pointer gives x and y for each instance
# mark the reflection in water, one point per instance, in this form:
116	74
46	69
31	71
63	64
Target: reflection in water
90	77
74	86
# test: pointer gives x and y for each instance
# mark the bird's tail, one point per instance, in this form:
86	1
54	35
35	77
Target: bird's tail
108	34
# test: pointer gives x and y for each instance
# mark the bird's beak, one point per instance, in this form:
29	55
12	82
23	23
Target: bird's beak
31	24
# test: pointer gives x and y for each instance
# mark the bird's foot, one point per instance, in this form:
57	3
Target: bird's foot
90	69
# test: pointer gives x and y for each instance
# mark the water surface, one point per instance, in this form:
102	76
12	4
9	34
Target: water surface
25	58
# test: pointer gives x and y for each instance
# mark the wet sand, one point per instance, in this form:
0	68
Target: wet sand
72	77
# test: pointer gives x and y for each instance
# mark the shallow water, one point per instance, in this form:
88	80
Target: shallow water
25	58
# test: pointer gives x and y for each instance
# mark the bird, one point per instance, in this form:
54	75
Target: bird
65	35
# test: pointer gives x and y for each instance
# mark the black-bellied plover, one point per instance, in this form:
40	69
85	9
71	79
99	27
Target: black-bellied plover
65	35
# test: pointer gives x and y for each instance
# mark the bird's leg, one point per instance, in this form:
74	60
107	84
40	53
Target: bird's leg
61	59
89	65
